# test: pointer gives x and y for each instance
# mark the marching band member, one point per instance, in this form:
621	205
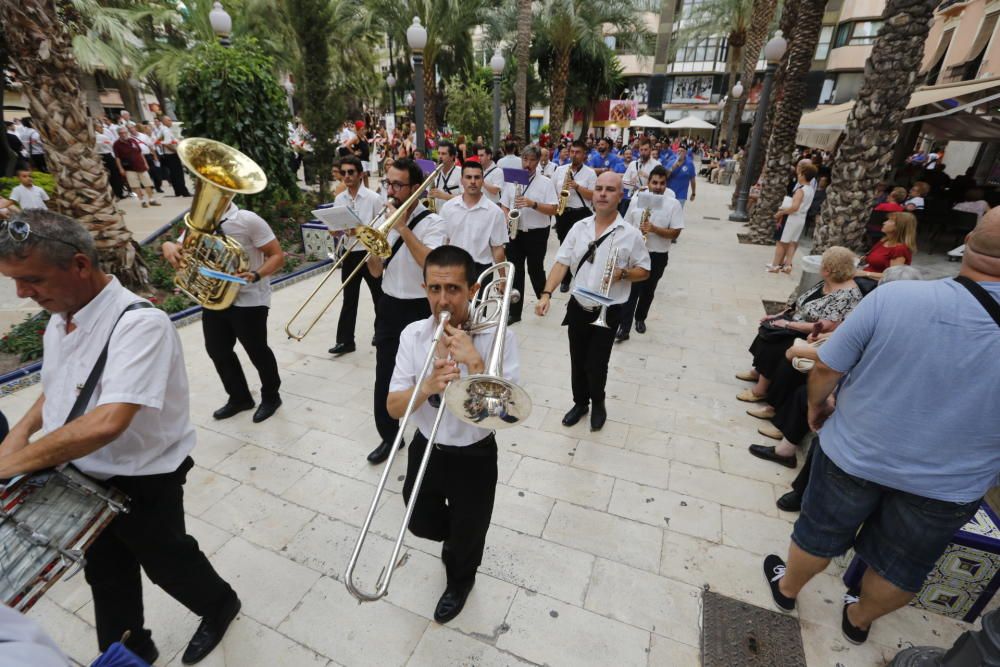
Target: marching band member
580	185
455	501
135	432
448	183
664	225
246	320
510	160
366	205
546	167
586	252
492	174
637	175
538	201
403	300
474	223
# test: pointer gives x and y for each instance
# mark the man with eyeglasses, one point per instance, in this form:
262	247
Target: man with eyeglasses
134	434
403	299
366	205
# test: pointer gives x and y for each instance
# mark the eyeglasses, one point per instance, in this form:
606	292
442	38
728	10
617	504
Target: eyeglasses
396	185
348	172
19	231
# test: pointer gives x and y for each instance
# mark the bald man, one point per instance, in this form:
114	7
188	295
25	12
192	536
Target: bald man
587	251
914	442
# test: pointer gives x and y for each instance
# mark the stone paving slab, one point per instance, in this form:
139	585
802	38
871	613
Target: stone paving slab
600	545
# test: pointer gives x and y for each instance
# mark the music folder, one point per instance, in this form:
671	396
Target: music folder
338	218
593	296
518	176
650	200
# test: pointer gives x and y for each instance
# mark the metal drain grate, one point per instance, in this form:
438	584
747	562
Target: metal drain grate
735	633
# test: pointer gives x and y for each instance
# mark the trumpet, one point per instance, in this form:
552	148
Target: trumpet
564	193
487	400
514	215
374	237
646	213
606	280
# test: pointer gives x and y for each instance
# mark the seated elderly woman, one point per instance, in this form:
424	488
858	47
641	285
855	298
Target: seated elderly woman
829	300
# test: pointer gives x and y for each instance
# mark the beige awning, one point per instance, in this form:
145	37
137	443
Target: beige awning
944	91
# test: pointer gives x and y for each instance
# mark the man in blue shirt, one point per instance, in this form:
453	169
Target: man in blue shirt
604	159
681	174
914	443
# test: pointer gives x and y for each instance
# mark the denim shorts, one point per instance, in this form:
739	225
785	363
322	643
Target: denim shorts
898	534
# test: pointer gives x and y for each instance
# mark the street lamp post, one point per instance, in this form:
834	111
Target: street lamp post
222	23
416	37
773	51
391	82
497	63
734	99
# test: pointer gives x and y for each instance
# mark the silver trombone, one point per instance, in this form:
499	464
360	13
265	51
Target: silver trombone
487	400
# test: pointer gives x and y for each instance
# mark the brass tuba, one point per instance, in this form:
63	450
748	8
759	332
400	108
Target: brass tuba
221	172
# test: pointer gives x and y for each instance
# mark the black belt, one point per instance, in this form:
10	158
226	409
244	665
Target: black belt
484	447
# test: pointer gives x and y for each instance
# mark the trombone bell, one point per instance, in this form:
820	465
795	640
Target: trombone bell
487	401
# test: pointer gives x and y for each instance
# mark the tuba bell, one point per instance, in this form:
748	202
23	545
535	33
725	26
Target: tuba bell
221	172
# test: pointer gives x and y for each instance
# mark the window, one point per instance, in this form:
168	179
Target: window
864	32
823	46
706	49
843	35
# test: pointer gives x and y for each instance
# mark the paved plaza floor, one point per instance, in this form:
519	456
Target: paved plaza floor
601	545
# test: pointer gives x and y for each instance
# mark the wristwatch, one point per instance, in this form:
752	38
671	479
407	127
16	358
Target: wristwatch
623	275
534	205
256	276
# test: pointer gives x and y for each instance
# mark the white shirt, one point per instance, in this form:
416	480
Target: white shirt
509	162
541	190
637	174
169	138
414	344
494	176
104	143
24	642
477	228
670	216
450	182
34	143
403	278
365	205
548	169
586	177
145	143
145	367
916	202
252	232
632	253
346	135
33	197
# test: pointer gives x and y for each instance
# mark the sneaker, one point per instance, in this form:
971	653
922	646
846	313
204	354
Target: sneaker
145	205
774	571
852	634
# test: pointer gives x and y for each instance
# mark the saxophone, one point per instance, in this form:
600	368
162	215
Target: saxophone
514	214
564	193
646	213
221	172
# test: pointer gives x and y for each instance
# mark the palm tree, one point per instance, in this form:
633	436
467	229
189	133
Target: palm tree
788	112
873	126
566	24
592	76
522	53
761	16
41	50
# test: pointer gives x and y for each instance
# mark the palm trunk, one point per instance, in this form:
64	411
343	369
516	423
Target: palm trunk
41	52
788	113
873	127
430	99
557	102
760	19
8	159
522	53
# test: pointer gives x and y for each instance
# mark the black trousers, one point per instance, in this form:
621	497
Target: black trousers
248	325
564	223
590	350
528	248
352	294
641	297
38	163
115	179
792	416
479	268
455	502
155	172
175	171
392	317
785	381
152	535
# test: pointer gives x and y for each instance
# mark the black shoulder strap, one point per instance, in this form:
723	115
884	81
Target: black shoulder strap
592	249
83	398
399	242
982	296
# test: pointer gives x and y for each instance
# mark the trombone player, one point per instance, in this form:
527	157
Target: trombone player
403	300
589	251
455	502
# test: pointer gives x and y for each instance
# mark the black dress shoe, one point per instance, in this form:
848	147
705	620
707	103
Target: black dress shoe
373	341
381	453
210	632
145	649
266	409
640	326
231	408
513	320
621	336
564	287
768	454
598	416
342	348
790	502
451	603
575	414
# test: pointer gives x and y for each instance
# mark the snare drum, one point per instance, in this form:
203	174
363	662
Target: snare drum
47	522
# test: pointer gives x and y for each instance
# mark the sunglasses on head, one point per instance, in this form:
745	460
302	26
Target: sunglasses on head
20	230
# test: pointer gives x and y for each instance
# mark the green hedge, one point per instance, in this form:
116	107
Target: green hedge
45	181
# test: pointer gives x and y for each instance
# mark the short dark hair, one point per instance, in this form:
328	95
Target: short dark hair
510	147
450	146
54	236
8	123
477	148
352	160
605	140
658	170
22	166
452	255
580	143
471	164
412	169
